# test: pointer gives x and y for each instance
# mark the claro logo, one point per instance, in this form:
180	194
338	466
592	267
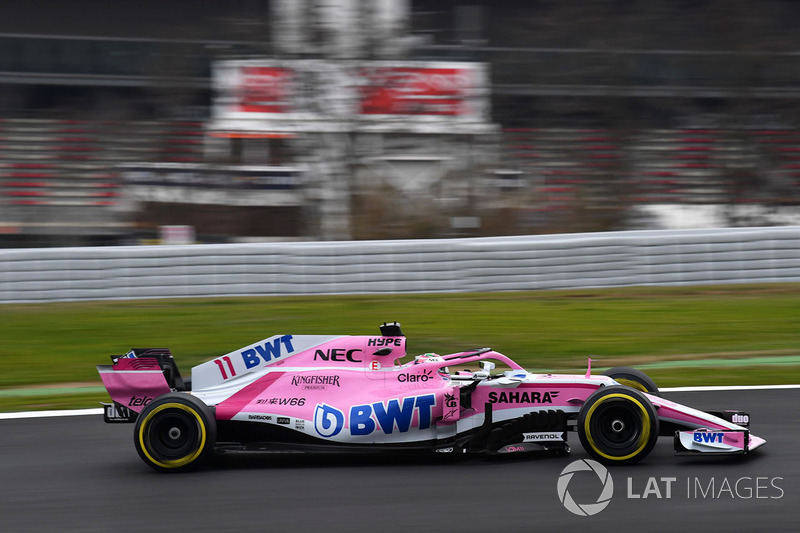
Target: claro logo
414	378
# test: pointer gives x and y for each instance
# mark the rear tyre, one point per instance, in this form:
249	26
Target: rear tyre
618	425
635	379
175	432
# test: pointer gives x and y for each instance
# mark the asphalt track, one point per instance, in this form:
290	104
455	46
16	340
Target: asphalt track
79	474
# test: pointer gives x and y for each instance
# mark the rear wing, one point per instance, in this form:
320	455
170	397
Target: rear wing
166	363
135	379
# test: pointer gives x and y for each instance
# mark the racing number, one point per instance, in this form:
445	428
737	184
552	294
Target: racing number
222	368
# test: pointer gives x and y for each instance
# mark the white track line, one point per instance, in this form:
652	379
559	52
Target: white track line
99	410
728	387
44	414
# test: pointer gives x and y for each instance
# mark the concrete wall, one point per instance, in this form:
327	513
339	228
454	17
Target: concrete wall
570	261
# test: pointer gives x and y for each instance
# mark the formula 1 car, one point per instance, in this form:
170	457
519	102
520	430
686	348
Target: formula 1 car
352	393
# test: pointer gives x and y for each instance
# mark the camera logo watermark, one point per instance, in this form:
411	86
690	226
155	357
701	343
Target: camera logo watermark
664	488
585	509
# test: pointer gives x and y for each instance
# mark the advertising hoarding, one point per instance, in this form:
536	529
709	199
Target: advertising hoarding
316	95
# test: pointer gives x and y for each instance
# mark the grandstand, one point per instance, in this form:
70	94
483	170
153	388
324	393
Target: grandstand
60	178
591	111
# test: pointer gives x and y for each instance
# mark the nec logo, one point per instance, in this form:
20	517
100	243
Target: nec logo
707	437
338	354
253	356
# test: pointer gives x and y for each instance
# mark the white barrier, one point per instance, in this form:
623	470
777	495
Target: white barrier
687	257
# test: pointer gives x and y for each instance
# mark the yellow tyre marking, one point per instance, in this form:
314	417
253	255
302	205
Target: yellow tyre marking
642	439
182	461
631	383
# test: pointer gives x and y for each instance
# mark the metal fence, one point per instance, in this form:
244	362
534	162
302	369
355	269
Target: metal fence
569	261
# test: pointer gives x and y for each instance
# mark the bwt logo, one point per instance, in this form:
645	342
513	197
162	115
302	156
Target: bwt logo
707	437
367	418
254	356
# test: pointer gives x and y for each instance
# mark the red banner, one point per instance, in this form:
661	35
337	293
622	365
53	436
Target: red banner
414	91
301	94
265	90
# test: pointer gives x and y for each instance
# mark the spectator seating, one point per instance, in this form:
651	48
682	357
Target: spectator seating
60	175
567	167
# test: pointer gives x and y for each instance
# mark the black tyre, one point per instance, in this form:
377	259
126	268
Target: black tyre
175	432
618	425
635	379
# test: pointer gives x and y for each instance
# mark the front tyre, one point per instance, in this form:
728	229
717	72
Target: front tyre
618	425
175	432
635	379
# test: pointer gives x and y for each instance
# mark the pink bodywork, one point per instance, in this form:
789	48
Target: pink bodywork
134	382
353	389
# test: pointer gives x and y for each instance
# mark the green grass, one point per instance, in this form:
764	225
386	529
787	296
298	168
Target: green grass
44	403
62	342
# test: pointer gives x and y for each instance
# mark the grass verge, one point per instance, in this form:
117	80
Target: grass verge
61	343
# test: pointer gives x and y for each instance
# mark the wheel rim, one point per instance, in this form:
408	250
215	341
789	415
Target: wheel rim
172	435
617	427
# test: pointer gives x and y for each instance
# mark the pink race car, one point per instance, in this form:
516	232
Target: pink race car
351	393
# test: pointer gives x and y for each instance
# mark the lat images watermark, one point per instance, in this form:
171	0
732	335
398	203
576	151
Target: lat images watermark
712	488
664	488
586	509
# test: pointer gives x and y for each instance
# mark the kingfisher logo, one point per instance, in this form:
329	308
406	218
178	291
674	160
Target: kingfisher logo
315	381
379	416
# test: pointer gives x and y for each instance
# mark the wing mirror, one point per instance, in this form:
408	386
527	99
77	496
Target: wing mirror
485	371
